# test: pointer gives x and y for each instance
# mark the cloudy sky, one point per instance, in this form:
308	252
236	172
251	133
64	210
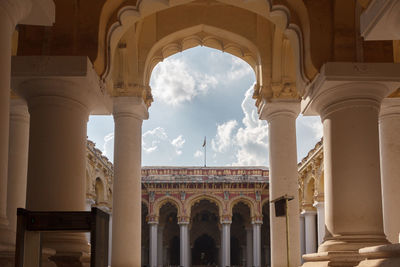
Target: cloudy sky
203	92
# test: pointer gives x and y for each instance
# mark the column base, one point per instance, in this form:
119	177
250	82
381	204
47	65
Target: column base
332	259
351	242
68	259
7	238
381	256
7	257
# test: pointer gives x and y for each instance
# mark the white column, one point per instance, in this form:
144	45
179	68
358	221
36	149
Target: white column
281	117
11	12
153	244
160	248
389	130
302	237
320	221
257	244
129	113
249	246
347	96
184	244
59	105
310	228
226	244
17	163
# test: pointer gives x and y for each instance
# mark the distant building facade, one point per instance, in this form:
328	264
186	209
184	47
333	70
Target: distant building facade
216	216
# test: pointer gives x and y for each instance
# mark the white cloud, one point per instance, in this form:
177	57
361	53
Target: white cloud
174	82
152	139
178	144
157	140
198	154
239	69
108	146
249	143
317	127
252	139
223	139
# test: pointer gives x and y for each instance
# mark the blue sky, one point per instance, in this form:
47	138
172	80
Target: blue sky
203	92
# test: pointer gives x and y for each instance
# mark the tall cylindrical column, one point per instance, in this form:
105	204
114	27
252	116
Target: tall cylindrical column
389	130
310	231
160	248
57	156
17	163
353	213
153	244
348	97
184	244
59	105
320	206
11	11
302	237
281	117
226	244
249	246
129	113
256	244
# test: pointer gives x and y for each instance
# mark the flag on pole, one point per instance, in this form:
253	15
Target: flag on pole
205	141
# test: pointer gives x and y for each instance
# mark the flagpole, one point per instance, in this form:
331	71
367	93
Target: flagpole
205	152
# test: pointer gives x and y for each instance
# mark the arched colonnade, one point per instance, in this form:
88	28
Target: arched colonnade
76	58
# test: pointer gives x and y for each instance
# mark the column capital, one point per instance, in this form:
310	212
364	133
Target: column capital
131	106
152	219
68	77
226	219
183	220
355	83
308	212
319	204
390	107
19	109
15	10
257	219
269	110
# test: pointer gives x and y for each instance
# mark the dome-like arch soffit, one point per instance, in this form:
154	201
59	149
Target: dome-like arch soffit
249	202
191	201
202	35
159	203
291	19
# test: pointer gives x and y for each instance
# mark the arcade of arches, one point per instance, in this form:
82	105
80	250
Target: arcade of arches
65	60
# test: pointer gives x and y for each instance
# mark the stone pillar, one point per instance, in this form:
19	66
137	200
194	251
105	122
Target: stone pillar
249	246
129	113
257	244
11	12
302	237
281	117
347	96
389	130
17	163
226	243
60	92
160	248
310	230
17	171
153	244
320	206
184	244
